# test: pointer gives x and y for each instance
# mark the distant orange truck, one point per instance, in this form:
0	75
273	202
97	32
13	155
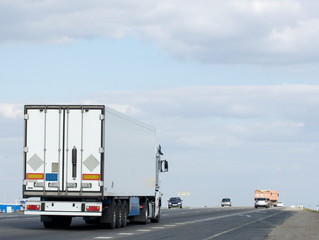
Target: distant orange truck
271	195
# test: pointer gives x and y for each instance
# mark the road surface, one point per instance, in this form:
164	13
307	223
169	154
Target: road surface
187	224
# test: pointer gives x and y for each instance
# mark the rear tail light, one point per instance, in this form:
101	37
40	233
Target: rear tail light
33	207
92	208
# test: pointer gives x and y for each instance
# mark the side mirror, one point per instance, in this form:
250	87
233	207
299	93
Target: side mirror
164	166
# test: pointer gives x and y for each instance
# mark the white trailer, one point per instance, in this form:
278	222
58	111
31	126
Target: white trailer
91	162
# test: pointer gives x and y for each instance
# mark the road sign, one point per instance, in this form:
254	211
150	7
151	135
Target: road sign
184	193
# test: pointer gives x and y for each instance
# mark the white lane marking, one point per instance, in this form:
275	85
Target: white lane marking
191	222
218	217
196	221
168	225
235	228
206	219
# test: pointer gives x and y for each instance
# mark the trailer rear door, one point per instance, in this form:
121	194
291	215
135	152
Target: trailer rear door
64	150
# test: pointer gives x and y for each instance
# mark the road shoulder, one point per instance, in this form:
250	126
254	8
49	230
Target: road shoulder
302	225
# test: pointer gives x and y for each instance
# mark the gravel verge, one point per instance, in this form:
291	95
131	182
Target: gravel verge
304	225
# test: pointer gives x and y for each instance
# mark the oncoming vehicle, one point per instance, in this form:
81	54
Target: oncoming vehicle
226	202
175	202
262	202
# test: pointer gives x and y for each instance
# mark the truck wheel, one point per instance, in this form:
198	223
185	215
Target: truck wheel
157	218
66	222
49	225
124	214
113	217
144	212
119	219
58	222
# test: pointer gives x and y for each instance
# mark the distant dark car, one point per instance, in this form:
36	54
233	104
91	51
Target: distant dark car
175	202
226	202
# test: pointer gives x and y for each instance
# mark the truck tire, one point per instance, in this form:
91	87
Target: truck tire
124	214
58	222
119	211
113	215
144	212
66	222
157	218
49	225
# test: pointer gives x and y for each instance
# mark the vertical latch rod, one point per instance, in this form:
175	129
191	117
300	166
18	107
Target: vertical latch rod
74	160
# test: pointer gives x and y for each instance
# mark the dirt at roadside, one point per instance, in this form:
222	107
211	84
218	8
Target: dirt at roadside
304	225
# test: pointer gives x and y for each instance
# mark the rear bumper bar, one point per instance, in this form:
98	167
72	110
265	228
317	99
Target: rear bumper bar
73	214
63	208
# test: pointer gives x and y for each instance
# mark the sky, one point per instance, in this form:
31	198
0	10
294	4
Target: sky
231	87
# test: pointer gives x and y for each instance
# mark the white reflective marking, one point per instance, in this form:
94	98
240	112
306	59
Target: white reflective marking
170	225
235	228
125	234
143	230
103	237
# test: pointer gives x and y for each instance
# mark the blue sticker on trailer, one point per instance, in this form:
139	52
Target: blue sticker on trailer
53	177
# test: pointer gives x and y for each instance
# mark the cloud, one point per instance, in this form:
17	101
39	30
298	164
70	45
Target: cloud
224	117
11	111
232	31
249	136
248	102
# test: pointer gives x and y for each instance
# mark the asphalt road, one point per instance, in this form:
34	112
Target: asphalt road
193	224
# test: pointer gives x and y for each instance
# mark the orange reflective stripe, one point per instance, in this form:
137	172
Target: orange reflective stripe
35	175
91	177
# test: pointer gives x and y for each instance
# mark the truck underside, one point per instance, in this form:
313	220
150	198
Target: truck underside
111	212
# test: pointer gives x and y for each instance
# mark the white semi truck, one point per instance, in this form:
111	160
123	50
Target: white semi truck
90	161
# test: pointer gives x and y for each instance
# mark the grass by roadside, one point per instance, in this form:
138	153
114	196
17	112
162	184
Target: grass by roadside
310	210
